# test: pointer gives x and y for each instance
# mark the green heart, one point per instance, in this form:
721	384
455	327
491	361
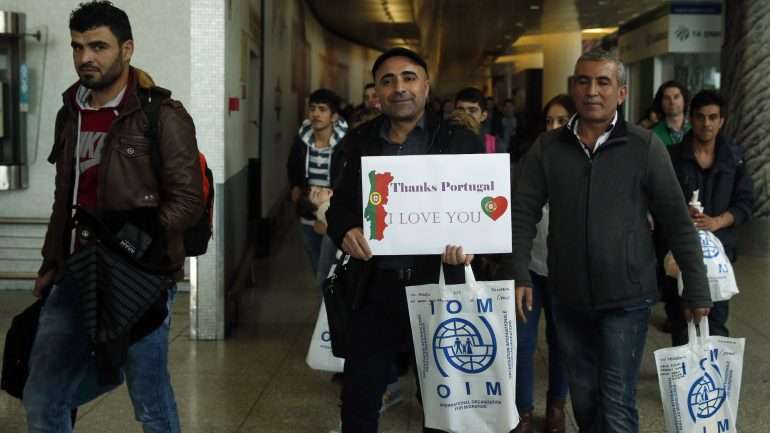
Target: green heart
485	206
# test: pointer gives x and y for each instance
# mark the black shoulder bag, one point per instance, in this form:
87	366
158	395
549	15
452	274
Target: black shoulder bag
344	292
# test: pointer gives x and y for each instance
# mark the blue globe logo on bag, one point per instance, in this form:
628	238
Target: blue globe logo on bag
707	394
460	344
707	244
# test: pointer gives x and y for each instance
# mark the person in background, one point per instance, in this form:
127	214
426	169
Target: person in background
370	97
471	101
435	105
314	162
509	123
671	101
557	113
493	124
650	119
447	107
709	162
670	104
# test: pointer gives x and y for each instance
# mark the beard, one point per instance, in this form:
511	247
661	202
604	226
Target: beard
95	81
402	112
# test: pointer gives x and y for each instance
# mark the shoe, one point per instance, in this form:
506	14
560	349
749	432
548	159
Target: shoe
525	423
554	417
391	397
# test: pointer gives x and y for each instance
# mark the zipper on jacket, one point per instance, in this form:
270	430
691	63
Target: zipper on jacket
589	169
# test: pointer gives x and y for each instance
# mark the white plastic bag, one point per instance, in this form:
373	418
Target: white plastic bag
465	346
700	382
719	270
319	355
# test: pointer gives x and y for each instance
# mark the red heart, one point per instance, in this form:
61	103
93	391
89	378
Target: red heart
495	207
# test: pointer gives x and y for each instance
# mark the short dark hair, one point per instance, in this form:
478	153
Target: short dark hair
326	96
565	101
657	103
97	13
708	97
508	100
472	95
399	52
368	86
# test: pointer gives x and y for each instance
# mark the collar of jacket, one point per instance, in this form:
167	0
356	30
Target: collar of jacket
137	79
339	129
371	130
724	159
619	135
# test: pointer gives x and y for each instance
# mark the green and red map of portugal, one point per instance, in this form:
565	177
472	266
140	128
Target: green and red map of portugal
375	209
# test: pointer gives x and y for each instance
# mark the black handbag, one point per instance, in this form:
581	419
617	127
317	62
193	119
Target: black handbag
344	291
18	347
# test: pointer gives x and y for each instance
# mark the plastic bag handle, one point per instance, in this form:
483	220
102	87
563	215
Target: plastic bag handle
470	279
692	335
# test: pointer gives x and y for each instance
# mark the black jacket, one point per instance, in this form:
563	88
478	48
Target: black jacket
726	186
346	211
600	247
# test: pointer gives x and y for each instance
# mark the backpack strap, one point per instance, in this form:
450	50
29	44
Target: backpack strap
150	101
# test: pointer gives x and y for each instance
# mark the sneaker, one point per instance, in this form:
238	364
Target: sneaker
391	397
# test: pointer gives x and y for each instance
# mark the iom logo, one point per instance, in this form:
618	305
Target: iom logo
682	33
707	394
707	244
460	344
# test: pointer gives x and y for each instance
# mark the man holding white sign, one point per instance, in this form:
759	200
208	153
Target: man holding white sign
380	325
601	178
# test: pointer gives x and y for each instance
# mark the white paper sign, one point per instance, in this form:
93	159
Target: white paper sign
420	204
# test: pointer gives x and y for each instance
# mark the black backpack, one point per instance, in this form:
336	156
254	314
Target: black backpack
196	238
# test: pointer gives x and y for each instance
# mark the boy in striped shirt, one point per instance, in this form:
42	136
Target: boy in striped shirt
314	162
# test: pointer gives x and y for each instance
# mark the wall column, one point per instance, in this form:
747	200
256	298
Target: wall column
207	108
745	68
560	52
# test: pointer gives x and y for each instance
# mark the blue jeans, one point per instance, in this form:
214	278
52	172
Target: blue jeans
63	373
526	337
603	352
311	241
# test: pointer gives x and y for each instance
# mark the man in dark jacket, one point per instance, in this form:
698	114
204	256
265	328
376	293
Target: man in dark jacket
104	163
380	327
708	162
601	178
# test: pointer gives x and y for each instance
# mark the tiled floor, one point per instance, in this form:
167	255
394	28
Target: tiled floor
257	380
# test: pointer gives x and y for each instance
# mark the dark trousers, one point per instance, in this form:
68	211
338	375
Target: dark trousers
603	352
717	323
380	331
671	302
526	338
717	316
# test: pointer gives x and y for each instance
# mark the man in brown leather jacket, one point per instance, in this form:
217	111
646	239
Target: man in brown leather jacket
106	163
